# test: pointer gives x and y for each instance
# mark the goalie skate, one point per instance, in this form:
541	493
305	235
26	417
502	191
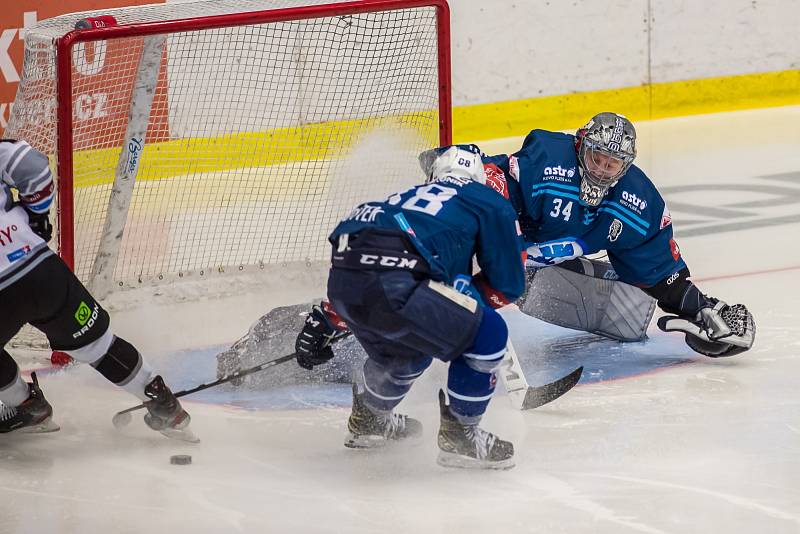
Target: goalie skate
165	413
34	416
368	429
469	446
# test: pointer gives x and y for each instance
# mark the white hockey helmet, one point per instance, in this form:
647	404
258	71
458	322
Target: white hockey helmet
461	161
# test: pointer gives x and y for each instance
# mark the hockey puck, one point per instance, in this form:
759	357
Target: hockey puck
180	459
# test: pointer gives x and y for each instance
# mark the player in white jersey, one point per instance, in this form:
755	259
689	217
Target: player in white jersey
37	287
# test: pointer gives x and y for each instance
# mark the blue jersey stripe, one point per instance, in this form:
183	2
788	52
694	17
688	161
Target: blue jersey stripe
629	212
615	213
556	185
556	193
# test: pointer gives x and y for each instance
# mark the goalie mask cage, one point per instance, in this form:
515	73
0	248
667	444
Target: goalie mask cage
215	136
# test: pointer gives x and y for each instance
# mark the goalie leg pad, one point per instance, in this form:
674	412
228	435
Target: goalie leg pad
586	295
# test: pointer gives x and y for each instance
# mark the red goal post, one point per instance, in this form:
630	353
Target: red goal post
247	168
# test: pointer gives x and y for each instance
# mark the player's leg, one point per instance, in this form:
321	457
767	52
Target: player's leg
383	383
76	324
24	407
470	386
368	301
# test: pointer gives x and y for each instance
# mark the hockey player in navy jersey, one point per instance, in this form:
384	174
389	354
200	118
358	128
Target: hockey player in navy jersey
394	264
580	194
37	287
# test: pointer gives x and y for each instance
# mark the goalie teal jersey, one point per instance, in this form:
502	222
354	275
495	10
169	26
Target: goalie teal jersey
452	220
632	223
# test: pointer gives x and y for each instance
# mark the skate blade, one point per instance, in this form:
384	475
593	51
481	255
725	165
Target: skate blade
354	441
48	425
451	459
181	435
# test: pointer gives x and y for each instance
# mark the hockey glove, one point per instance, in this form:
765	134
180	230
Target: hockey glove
40	224
716	331
312	345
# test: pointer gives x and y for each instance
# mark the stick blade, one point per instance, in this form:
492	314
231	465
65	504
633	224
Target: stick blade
541	395
121	419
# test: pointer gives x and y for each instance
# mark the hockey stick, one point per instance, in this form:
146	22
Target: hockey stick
526	397
124	417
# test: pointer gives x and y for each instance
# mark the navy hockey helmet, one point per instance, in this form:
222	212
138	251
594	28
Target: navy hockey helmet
463	161
606	148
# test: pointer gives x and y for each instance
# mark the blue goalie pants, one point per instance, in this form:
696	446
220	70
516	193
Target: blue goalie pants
404	321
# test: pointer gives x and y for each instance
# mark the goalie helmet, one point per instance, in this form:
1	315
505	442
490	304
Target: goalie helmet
605	147
462	161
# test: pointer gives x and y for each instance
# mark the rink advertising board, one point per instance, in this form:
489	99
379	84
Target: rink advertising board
19	15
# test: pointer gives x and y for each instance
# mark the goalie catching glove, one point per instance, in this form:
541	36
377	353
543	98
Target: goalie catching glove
313	343
716	331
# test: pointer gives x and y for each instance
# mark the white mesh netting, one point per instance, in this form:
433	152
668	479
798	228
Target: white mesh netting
245	160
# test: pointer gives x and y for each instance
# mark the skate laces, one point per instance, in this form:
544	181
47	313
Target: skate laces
392	423
7	412
483	440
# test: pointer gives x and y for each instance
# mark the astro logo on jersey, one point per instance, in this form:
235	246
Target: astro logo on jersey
634	201
559	172
86	317
614	230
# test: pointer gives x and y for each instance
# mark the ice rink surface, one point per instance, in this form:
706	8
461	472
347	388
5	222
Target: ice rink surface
655	439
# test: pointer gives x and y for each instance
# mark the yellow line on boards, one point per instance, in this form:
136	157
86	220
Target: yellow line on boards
470	123
279	146
655	101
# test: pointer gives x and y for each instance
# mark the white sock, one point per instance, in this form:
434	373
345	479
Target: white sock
138	381
15	393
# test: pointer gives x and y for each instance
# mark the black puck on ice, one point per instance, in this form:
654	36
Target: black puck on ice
180	459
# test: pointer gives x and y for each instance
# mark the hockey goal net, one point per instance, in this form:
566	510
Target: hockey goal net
214	137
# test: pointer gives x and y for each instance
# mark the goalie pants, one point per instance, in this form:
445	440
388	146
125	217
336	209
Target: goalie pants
404	322
52	299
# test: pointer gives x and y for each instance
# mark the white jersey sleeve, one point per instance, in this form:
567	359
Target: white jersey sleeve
28	171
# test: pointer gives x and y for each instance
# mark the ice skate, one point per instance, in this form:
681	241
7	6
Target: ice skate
165	413
469	446
368	429
35	415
